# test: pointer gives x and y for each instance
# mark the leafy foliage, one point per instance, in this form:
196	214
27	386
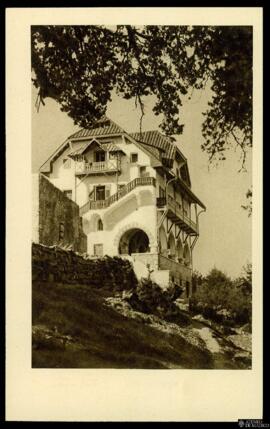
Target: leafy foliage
223	300
148	297
248	206
79	66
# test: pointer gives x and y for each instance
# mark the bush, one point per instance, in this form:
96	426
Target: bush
150	298
222	300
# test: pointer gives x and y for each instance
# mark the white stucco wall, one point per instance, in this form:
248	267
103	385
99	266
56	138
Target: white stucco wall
161	277
132	211
64	178
136	210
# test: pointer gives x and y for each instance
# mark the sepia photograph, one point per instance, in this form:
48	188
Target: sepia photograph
142	196
134	288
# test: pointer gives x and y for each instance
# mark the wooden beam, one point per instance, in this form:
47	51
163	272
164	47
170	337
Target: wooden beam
185	239
170	227
179	232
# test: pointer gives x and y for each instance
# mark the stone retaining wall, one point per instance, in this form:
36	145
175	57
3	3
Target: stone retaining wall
66	266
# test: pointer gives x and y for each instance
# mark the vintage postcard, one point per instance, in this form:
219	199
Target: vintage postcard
134	198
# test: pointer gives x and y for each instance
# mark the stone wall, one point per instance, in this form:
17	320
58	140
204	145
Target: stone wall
179	274
56	219
66	266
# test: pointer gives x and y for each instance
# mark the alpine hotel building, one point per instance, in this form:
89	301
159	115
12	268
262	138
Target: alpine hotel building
135	198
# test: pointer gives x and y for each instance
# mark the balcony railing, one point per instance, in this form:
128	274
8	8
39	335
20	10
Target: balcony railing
96	167
176	268
103	204
177	209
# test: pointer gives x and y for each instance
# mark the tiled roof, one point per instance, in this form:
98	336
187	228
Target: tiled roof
151	149
157	140
152	142
110	147
103	127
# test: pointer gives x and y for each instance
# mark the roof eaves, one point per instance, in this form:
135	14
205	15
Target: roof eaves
191	193
55	154
154	160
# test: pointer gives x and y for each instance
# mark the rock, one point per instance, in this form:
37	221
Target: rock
224	313
244	358
199	318
246	328
182	305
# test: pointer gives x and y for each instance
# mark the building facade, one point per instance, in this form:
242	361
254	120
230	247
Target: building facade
135	198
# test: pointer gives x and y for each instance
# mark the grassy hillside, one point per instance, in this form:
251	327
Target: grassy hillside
99	336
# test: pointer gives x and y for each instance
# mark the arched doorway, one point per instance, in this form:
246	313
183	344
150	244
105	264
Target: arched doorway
171	246
163	247
179	250
187	255
134	240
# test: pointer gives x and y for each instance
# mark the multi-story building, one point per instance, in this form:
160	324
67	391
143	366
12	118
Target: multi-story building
135	198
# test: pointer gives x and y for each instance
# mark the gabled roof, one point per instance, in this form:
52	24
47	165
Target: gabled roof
110	147
157	140
102	127
184	172
190	193
151	149
46	166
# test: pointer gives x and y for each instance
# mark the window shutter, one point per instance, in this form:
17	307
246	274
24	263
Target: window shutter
107	191
92	194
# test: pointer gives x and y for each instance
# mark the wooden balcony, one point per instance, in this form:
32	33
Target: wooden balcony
103	204
109	166
178	215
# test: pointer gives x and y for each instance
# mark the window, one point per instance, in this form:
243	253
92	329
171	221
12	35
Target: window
143	172
98	249
61	230
112	155
68	193
100	156
100	193
67	162
121	187
100	225
162	192
134	158
91	194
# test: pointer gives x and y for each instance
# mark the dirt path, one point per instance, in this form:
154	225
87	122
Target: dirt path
227	352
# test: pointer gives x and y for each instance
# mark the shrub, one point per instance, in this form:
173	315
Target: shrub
149	297
222	300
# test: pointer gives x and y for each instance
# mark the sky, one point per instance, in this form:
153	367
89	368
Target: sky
225	228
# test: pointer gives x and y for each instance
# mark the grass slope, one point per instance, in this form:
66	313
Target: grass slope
101	337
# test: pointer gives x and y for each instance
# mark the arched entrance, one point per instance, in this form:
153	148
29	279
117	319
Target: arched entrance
179	250
162	241
134	240
187	255
171	246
